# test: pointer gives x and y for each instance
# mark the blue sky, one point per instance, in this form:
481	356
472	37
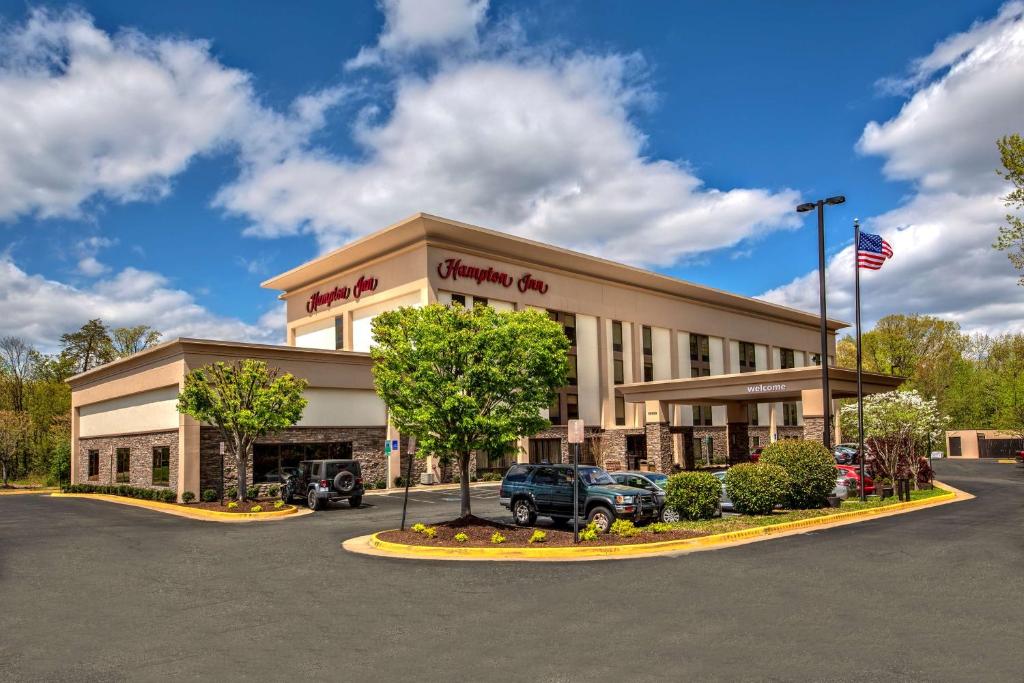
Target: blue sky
163	159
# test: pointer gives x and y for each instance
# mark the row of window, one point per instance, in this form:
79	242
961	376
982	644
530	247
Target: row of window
123	465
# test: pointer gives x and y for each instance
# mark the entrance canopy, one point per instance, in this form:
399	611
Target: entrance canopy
757	387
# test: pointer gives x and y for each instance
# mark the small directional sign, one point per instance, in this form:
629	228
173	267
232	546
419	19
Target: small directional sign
575	431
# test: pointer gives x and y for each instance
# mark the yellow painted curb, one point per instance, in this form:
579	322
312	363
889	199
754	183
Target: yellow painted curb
25	492
195	513
1005	461
374	545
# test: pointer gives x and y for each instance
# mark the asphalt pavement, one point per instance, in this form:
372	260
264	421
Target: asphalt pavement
96	591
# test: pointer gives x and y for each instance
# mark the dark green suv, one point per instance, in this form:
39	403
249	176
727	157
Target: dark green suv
531	490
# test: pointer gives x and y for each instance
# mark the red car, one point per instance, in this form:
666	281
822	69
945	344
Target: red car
853	472
755	454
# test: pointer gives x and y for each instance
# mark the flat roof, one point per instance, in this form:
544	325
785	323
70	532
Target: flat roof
181	345
764	386
438	231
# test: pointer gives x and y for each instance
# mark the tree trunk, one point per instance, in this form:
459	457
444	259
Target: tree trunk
464	483
241	460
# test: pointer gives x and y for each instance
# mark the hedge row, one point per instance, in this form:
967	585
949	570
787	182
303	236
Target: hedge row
694	495
165	495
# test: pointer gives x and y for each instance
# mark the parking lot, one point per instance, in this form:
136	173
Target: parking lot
91	590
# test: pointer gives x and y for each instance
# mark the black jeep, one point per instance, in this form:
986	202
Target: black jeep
325	481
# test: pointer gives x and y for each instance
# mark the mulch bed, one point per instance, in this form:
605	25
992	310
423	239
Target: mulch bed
218	506
480	531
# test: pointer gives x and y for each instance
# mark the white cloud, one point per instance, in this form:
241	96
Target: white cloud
87	250
411	25
87	113
40	309
943	140
542	146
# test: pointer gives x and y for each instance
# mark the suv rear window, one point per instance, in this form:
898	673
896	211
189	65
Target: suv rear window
334	467
517	473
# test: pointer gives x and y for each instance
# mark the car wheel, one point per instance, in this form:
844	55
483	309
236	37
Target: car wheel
355	501
313	502
602	518
523	512
669	514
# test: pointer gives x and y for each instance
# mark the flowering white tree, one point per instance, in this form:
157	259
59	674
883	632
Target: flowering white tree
897	426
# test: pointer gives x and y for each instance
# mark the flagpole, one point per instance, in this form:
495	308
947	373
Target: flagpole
860	388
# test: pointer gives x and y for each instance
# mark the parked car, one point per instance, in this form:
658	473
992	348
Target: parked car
653	482
724	502
755	455
841	490
281	474
530	490
322	482
853	472
845	453
1019	457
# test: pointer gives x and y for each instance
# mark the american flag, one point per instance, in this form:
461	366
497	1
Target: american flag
872	251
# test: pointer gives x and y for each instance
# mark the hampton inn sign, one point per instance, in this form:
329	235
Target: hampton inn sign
455	269
317	299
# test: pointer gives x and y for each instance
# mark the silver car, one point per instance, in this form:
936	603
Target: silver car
650	481
724	501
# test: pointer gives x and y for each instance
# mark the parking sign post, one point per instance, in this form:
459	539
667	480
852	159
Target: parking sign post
575	438
408	478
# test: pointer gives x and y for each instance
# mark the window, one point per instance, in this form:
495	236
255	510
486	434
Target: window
700	348
752	414
545	450
339	333
573	377
94	464
479	301
701	416
620	411
815	359
787	358
517	473
619	371
616	336
272	463
555	412
161	465
648	345
748	362
568	323
636	450
755	441
572	407
789	415
459	299
124	463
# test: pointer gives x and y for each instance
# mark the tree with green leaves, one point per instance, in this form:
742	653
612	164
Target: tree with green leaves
15	429
1005	363
1011	235
16	367
127	341
244	400
463	380
89	346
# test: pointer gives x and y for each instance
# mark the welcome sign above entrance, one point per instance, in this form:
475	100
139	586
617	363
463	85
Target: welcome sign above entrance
455	269
765	388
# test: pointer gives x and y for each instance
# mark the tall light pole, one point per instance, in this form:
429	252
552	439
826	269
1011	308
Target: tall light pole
826	395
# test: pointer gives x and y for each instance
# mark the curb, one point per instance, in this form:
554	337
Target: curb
422	488
26	492
197	513
374	545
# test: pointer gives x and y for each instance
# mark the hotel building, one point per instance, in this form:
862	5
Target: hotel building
663	372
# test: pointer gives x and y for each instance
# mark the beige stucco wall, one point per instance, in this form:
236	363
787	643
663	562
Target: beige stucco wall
588	370
343	408
969	440
362	317
316	335
146	411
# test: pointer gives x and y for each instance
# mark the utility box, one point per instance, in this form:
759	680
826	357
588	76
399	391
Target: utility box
427	478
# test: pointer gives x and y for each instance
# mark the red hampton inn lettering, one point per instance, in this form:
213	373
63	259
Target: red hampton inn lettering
455	269
363	284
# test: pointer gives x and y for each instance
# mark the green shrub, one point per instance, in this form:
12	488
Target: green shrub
461	537
231	492
623	527
430	532
538	536
400	482
60	464
810	468
659	527
694	495
755	489
497	538
418	528
382	484
491	476
589	533
209	495
273	490
233	505
252	491
188	497
278	504
256	508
